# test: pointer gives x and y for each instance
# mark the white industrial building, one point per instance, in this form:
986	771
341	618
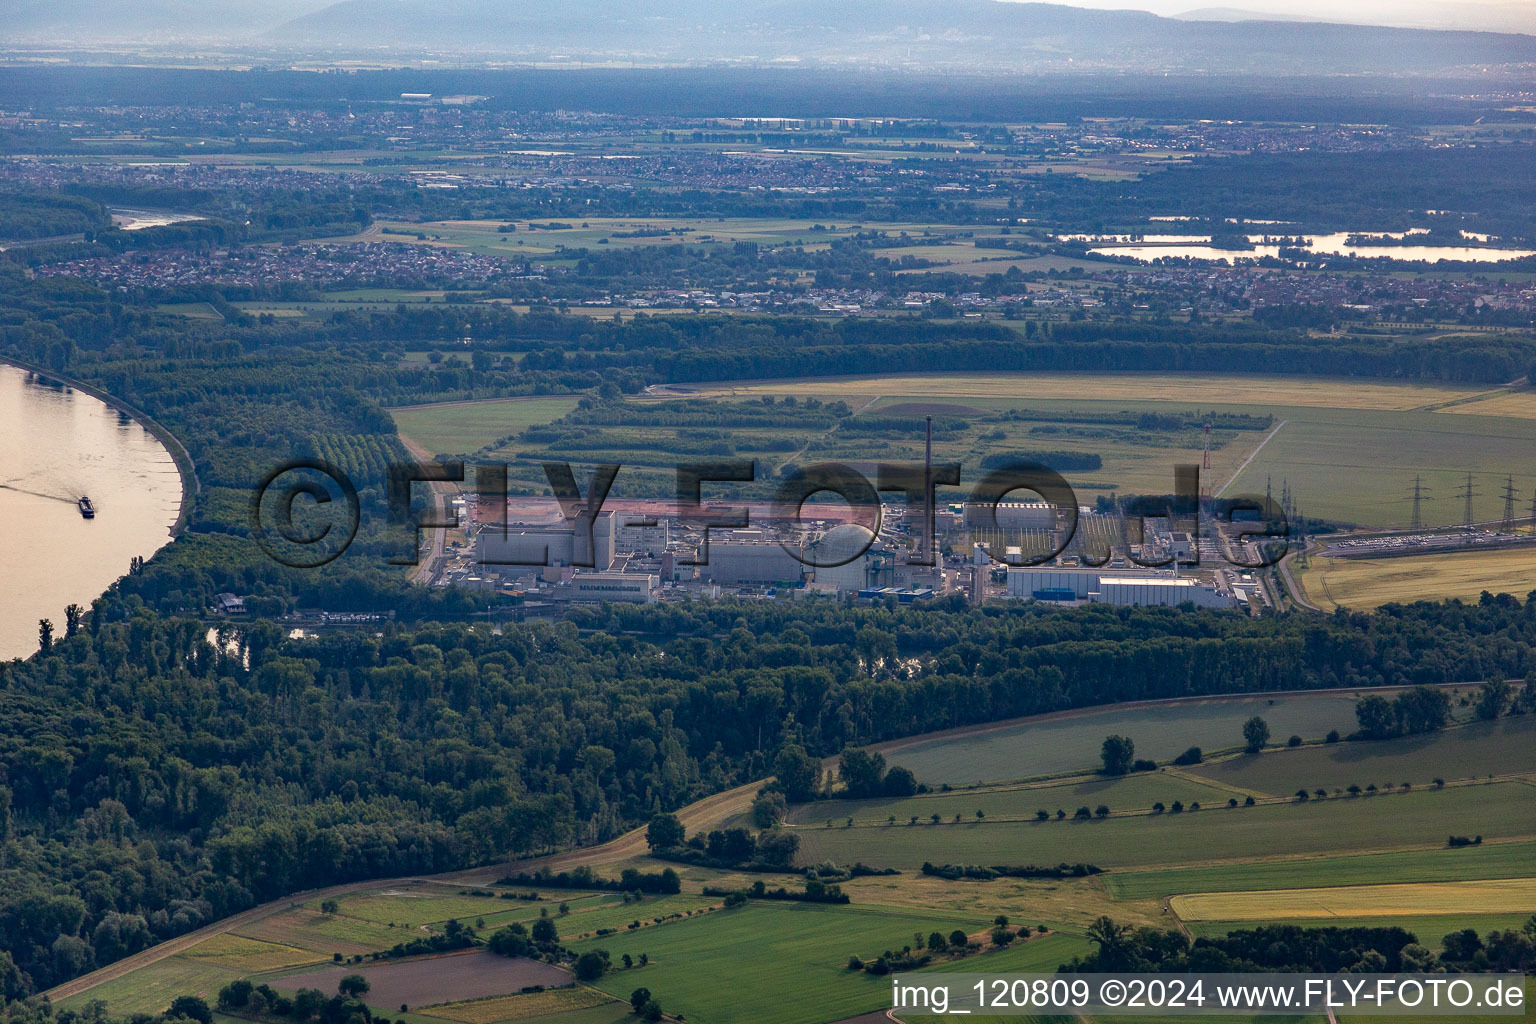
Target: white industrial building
1116	586
634	587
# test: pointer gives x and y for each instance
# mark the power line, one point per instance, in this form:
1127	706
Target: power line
1419	497
1467	494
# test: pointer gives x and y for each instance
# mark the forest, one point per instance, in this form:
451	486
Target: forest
155	780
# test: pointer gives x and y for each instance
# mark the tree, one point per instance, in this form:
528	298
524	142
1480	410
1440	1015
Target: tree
72	616
544	931
777	846
797	772
192	1008
937	943
329	907
353	985
511	940
1255	734
1118	752
44	635
1423	709
591	965
900	781
639	997
651	1011
1193	755
768	808
664	831
959	938
1113	941
1492	698
1377	717
863	772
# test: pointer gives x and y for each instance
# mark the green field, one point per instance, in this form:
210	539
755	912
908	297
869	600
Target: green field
1072	742
1348	450
326	933
1470	751
458	428
414	907
617	914
787	964
151	989
1419	818
1492	860
1139	791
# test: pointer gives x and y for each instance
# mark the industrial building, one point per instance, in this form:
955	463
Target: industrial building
1011	515
555	544
638	588
1119	587
864	560
751	556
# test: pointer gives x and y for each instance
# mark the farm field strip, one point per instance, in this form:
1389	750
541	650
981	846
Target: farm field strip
461	427
1133	792
240	953
1069	741
1363	583
1475	750
1208	835
523	1006
1511	895
1206	390
1491	860
441	979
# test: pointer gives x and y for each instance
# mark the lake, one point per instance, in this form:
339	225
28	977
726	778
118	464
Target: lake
57	444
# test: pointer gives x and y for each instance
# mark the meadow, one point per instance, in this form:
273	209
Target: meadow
1072	741
1348	450
1420	818
787	964
1132	792
458	428
1475	750
1491	860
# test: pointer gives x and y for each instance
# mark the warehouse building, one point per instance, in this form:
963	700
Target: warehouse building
633	587
751	556
1120	587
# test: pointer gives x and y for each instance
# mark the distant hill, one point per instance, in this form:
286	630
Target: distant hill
1238	14
854	34
1433	14
918	33
135	21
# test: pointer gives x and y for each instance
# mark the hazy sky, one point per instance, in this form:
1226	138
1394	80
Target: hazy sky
1440	13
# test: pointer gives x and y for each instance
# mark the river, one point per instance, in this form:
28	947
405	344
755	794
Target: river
56	444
